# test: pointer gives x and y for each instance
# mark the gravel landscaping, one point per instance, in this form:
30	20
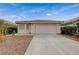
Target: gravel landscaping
15	45
72	37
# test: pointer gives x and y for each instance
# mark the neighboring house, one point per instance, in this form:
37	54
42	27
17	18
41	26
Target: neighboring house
39	27
71	22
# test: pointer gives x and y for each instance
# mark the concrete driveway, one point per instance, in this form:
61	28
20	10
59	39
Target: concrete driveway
52	45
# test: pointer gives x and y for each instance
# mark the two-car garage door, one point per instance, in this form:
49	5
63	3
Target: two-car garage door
46	29
39	28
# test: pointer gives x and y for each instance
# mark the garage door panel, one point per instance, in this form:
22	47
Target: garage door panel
46	28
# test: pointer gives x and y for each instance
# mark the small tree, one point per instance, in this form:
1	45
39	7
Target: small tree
1	26
77	28
2	30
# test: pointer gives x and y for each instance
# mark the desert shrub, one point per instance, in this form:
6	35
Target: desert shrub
10	30
68	30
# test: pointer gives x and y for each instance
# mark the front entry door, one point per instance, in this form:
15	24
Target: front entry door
28	28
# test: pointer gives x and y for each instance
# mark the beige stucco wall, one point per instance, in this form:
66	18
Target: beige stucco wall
40	28
58	28
21	28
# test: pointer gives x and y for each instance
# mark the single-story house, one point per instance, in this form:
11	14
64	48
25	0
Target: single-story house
39	27
71	22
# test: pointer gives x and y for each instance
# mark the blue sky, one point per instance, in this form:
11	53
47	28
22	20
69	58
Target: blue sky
32	11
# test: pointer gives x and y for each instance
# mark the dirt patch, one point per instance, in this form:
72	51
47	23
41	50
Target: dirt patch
72	37
15	45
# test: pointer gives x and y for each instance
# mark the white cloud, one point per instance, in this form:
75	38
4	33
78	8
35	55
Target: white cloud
13	16
8	16
57	12
74	15
48	14
53	12
68	7
75	5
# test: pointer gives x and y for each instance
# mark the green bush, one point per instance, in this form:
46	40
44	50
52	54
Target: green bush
68	30
77	28
10	30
